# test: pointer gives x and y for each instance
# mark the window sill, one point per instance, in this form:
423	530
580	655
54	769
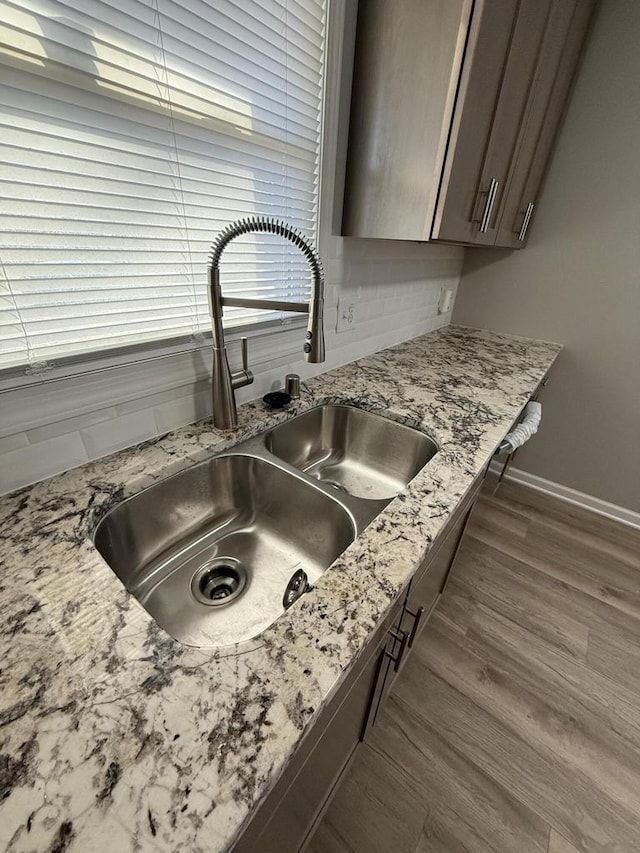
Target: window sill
69	391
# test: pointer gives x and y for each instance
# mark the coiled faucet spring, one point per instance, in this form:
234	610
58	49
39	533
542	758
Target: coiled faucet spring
224	382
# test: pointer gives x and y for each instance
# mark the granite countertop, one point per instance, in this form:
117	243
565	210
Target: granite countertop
113	736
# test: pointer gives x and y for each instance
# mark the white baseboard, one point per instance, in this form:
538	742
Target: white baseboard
564	493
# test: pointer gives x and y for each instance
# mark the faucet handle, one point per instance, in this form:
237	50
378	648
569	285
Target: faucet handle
244	350
240	378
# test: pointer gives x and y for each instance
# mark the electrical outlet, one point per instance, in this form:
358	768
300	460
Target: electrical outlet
346	314
445	302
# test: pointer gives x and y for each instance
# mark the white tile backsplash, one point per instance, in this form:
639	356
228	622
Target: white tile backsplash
183	410
69	425
149	401
119	432
13	442
37	461
45	430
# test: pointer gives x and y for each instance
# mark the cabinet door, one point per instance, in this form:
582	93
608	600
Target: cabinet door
407	66
388	665
490	34
494	96
289	814
564	37
430	580
425	592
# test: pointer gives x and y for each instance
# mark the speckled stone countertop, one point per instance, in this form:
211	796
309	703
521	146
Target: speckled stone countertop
114	737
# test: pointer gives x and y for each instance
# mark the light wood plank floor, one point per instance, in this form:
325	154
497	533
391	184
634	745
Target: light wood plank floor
514	726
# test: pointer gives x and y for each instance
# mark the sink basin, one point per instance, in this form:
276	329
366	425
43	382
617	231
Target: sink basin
209	551
353	451
214	552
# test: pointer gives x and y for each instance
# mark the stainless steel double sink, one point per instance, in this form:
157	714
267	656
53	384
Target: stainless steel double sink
210	551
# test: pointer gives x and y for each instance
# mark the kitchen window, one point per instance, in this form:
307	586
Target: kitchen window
132	132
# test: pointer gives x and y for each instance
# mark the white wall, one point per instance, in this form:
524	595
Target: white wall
578	280
49	428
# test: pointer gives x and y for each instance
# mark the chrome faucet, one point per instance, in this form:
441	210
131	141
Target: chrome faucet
224	383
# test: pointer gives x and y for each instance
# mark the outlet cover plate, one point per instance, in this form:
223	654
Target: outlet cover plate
445	303
346	314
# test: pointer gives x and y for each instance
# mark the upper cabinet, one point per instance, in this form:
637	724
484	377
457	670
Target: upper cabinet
456	105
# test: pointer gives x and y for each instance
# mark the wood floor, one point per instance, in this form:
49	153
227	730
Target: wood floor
514	726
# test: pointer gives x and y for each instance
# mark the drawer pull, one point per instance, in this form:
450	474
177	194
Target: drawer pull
417	619
403	638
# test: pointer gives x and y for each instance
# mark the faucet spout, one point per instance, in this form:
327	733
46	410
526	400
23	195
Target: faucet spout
224	382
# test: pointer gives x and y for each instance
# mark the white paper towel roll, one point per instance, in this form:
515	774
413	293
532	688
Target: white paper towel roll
525	429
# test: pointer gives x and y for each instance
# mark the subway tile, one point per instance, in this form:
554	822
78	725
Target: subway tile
334	271
186	410
124	431
13	442
152	400
149	401
333	248
69	425
38	461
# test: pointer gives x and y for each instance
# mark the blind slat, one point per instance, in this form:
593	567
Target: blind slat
131	133
58	202
148	144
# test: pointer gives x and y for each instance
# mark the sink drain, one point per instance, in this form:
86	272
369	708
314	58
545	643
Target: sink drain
219	582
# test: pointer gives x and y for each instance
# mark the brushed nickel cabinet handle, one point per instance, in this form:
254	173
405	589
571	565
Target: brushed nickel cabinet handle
403	638
417	619
525	222
488	207
372	704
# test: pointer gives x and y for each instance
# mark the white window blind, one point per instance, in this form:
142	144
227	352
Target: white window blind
132	131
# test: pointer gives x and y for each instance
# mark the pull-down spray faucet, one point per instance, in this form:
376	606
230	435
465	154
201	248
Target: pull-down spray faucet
224	383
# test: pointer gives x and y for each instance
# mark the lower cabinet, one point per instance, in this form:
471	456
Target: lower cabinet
430	580
288	816
423	593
